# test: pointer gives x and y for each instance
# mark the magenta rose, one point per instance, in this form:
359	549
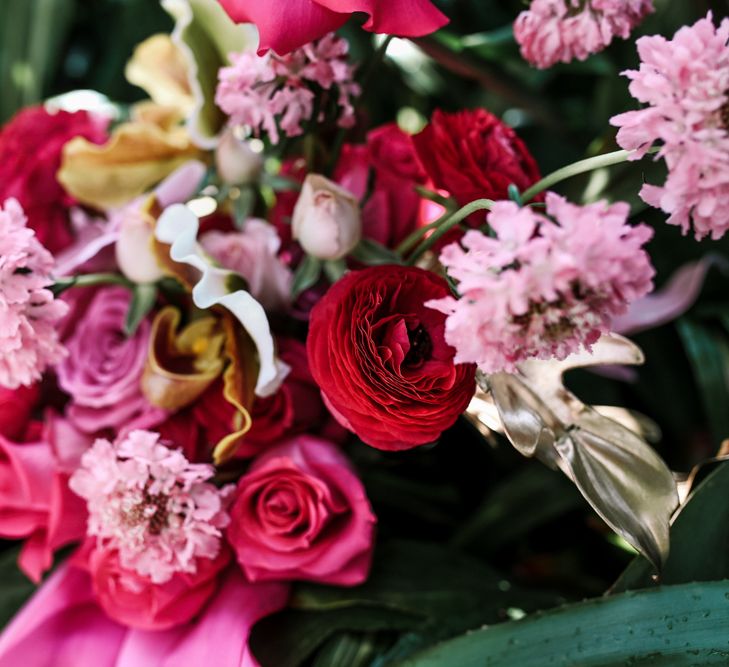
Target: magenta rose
103	369
36	504
302	513
133	600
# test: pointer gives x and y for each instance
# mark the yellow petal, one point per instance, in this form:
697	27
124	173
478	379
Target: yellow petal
159	67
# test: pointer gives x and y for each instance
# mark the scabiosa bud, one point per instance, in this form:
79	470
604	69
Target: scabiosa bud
685	84
152	505
271	93
552	31
28	312
542	287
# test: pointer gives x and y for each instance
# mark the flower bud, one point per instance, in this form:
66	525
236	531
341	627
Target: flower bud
134	253
326	219
236	161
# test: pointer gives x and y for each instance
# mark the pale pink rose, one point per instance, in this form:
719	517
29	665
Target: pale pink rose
62	625
326	220
103	369
302	513
253	254
36	504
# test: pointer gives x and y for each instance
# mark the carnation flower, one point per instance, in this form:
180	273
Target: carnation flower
28	311
685	84
552	31
151	504
541	287
265	93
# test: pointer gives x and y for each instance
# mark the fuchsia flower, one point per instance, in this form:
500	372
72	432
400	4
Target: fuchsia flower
148	502
285	25
542	288
28	312
685	84
265	93
552	31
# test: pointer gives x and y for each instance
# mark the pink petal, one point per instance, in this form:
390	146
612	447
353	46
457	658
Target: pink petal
405	18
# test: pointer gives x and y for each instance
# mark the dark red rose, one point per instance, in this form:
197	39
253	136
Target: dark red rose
381	360
474	155
16	406
31	146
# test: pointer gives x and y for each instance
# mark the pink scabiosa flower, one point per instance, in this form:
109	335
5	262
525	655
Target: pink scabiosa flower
552	31
28	312
543	286
153	506
274	93
685	84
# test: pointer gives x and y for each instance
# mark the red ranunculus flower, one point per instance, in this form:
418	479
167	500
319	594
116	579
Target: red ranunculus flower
473	155
16	406
31	144
381	360
285	25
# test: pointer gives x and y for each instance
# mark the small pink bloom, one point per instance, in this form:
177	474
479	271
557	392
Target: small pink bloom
552	31
542	288
253	254
301	513
285	25
104	367
684	83
268	93
28	312
153	506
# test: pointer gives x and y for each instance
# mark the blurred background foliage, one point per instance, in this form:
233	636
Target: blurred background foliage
523	519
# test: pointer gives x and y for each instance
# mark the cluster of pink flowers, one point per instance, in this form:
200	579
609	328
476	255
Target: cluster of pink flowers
265	93
151	504
553	31
542	287
28	312
684	82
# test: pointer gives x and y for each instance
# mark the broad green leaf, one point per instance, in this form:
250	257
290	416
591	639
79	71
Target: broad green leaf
372	253
699	539
16	587
306	276
143	299
669	626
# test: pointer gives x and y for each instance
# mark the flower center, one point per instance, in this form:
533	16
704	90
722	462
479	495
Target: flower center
724	113
421	347
152	511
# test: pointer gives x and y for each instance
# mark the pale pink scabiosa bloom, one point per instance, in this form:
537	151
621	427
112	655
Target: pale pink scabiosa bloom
685	84
152	505
271	93
28	312
553	31
543	286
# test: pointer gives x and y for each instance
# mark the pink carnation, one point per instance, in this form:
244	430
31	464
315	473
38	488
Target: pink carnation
28	311
552	31
271	93
152	505
685	84
542	288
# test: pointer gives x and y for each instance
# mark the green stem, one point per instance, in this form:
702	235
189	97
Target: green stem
412	239
579	167
447	224
90	280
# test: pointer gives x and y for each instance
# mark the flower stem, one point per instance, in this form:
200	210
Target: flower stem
412	239
447	223
90	280
579	167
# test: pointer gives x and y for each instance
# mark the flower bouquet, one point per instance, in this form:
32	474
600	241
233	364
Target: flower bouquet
274	358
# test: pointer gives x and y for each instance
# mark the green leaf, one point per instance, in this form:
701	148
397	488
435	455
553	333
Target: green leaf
708	352
699	539
372	253
334	269
16	587
672	625
306	276
348	649
144	297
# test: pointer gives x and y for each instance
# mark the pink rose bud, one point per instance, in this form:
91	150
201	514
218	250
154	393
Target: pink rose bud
326	219
134	253
236	161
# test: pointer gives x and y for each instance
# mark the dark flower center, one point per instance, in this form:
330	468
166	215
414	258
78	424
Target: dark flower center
724	113
421	347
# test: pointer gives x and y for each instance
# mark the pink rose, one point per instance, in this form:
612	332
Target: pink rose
134	600
302	513
36	503
253	254
104	366
285	25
